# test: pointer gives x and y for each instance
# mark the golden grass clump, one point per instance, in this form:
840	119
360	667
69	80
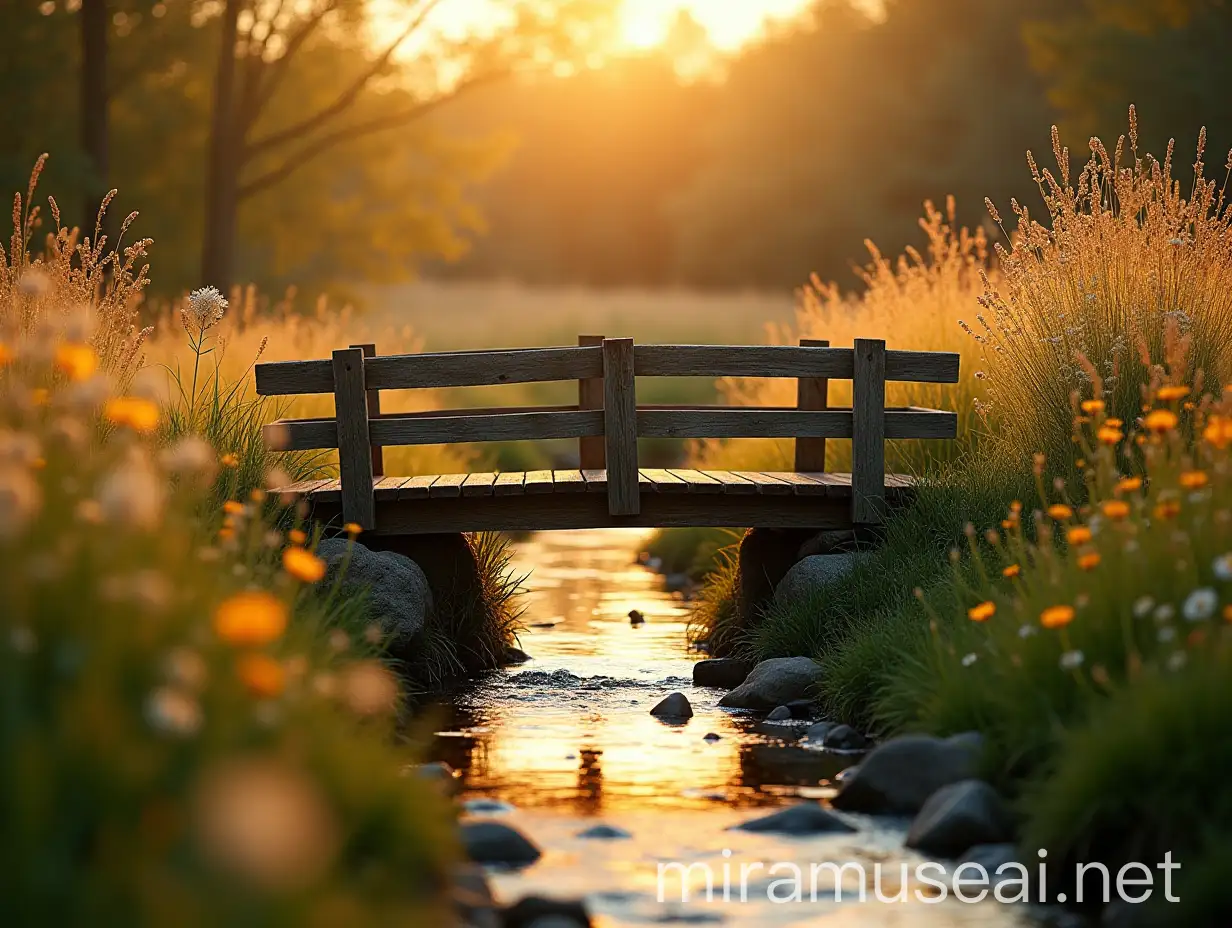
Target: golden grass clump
1125	251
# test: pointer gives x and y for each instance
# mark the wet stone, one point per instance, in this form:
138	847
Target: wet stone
540	912
721	672
497	844
604	833
781	714
807	818
844	738
675	706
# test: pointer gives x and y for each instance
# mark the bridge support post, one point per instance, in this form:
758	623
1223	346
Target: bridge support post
868	432
354	443
620	427
374	411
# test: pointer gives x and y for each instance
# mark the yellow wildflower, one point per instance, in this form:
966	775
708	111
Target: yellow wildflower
138	414
1167	509
353	528
1218	431
1109	435
233	507
983	612
1091	407
1160	421
1013	570
1078	535
75	360
251	618
1114	423
230	459
1168	394
1057	616
1089	560
1115	509
1060	511
303	565
1129	484
1194	479
261	675
6	354
297	537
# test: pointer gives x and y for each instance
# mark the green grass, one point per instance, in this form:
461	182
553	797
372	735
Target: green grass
690	551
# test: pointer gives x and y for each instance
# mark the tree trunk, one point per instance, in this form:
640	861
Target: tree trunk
222	164
94	100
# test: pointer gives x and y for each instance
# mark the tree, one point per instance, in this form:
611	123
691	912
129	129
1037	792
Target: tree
95	101
262	44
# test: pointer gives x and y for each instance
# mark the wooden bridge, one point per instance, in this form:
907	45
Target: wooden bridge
608	488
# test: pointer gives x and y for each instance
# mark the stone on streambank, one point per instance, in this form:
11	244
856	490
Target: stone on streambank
675	706
844	738
399	597
806	818
514	656
604	833
900	775
497	844
721	672
541	912
813	573
992	857
774	683
781	714
958	817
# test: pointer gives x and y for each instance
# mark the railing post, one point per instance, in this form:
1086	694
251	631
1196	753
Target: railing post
620	427
868	432
812	393
374	411
354	445
590	396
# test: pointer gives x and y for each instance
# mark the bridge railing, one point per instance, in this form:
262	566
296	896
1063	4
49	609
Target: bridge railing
607	420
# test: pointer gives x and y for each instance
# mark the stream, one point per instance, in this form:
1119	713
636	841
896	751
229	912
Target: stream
566	742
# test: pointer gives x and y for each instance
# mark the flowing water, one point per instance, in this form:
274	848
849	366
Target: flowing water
566	742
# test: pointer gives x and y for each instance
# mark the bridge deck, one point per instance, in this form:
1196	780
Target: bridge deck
560	499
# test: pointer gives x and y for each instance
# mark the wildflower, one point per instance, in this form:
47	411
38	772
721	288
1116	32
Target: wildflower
131	494
1200	605
1108	435
186	667
1164	612
1194	479
1013	570
76	361
40	396
173	711
1129	484
353	528
1114	423
369	689
1227	613
1160	421
1091	407
34	283
1015	507
303	565
1060	511
1057	616
1218	431
230	459
138	414
1222	566
257	495
1143	606
205	309
969	659
983	612
261	675
297	537
1177	660
191	456
1026	631
252	618
1078	535
1072	660
6	354
1167	509
1166	634
1115	509
233	507
1089	560
1168	394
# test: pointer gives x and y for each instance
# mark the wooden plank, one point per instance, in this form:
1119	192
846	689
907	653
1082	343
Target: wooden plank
747	422
300	434
801	484
591	449
478	485
812	393
509	483
620	426
329	492
484	368
787	361
538	482
596	480
283	378
374	410
914	422
731	482
417	487
439	430
386	488
568	481
662	481
447	486
697	481
868	432
301	487
764	483
354	441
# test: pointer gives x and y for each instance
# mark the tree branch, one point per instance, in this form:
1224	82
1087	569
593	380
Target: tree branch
346	98
278	70
324	143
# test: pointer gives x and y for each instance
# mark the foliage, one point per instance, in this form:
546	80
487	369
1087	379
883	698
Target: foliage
716	618
690	551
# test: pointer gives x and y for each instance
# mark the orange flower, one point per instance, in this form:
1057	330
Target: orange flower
303	565
1227	613
230	459
983	612
1218	431
1167	509
353	528
1113	423
1115	509
1057	616
1008	524
1129	484
1109	435
1089	561
261	675
1060	511
137	414
1160	421
1194	479
233	507
297	537
1078	535
1012	571
1168	394
226	533
1015	507
75	360
1091	407
6	354
251	618
40	396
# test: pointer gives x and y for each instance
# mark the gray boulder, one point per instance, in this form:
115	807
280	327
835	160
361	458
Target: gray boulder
781	714
514	655
899	775
831	541
806	818
844	738
399	597
675	706
958	817
604	833
993	857
816	734
774	683
541	912
811	574
724	672
495	843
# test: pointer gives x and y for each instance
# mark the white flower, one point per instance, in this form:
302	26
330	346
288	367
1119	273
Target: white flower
1201	604
1177	660
1072	660
1142	606
969	659
1165	613
1026	631
1222	566
1167	633
172	711
205	308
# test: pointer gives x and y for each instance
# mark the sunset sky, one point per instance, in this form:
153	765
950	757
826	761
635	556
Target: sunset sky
730	23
